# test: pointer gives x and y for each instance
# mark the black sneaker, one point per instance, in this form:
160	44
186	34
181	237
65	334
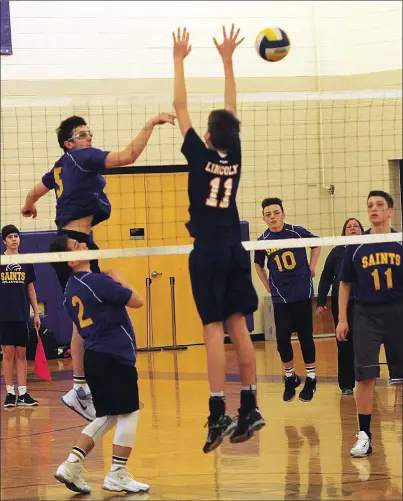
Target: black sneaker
247	425
10	401
290	384
308	391
26	399
217	430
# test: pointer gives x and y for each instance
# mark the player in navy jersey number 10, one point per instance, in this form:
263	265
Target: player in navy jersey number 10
81	203
376	272
96	303
218	264
291	288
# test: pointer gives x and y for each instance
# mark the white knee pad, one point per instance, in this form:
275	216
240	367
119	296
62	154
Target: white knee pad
101	425
126	429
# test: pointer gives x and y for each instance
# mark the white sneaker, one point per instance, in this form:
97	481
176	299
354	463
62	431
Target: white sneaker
69	474
362	448
120	480
80	402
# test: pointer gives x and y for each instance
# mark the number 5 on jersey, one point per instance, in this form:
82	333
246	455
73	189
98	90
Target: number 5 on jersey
212	200
84	322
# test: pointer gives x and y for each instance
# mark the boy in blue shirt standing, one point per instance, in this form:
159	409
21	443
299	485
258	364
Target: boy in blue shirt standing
376	272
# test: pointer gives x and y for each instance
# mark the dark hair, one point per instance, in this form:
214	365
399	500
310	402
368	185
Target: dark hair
272	201
346	223
8	230
65	129
383	194
60	244
224	129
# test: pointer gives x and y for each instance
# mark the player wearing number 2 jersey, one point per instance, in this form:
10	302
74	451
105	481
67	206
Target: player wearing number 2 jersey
218	264
290	285
376	270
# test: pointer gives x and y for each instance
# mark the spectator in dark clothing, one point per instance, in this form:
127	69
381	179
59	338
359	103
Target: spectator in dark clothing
329	278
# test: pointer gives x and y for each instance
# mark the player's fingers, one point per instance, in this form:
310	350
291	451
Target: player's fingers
173	36
184	34
240	41
231	33
236	34
215	42
179	34
189	49
224	33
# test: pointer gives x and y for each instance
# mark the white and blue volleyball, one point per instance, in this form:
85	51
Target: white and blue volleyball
272	44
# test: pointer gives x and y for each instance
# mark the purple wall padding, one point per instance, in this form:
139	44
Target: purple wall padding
48	289
47	286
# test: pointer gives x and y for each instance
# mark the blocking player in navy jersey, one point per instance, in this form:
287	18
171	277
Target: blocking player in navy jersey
218	264
17	292
376	272
96	303
291	288
81	204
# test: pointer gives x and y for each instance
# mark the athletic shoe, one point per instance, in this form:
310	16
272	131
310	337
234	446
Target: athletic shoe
362	448
247	424
217	430
26	400
347	391
11	400
290	384
80	402
309	390
120	480
69	474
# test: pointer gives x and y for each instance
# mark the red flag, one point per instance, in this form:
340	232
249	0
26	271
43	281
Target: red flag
41	365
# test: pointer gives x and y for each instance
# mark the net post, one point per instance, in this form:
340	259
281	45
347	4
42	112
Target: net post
173	312
149	323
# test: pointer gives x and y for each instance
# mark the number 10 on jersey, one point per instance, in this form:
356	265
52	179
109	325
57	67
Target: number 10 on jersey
212	200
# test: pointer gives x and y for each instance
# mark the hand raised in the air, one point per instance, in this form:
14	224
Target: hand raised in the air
181	44
229	44
164	118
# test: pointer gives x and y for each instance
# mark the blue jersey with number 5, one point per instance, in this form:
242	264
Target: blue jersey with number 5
212	188
290	278
79	186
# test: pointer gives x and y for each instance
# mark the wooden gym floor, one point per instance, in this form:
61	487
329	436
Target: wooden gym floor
302	453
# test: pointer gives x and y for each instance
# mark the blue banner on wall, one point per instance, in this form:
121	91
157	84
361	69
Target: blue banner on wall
5	29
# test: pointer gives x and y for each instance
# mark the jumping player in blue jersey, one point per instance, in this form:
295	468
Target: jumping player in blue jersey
291	288
218	264
81	204
96	303
376	273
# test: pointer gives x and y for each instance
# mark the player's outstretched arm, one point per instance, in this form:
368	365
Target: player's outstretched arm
226	49
181	51
37	192
133	150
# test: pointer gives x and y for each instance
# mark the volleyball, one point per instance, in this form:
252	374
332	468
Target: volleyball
272	44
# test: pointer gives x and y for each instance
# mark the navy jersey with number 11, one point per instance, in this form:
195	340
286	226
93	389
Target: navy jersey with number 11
213	185
376	270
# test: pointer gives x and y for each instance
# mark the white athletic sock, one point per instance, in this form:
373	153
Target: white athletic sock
10	389
22	390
